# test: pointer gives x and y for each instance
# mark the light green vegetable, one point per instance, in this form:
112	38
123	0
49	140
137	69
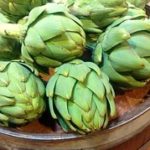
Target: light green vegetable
126	51
50	37
21	94
81	97
16	9
96	14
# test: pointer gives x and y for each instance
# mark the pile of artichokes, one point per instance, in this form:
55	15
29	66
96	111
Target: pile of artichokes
42	35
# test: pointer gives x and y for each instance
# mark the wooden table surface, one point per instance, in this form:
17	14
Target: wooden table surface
138	142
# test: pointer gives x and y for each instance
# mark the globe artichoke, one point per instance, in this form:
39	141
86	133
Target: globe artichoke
132	11
139	3
50	36
96	14
81	97
21	94
9	49
126	52
16	9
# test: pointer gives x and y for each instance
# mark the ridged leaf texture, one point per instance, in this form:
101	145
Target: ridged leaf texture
53	36
16	9
21	94
81	97
96	14
125	48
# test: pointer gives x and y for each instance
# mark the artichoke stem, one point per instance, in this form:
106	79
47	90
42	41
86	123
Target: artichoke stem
13	31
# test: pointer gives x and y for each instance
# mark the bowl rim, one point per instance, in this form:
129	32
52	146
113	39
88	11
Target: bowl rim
141	109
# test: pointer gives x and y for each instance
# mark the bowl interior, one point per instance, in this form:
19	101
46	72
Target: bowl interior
130	105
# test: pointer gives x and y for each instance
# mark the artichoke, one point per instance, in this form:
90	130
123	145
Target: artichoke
50	37
139	3
96	14
126	51
21	94
81	97
16	9
9	49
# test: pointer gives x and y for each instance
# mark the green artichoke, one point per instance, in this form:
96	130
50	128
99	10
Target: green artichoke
139	3
126	51
50	37
16	9
81	97
9	48
132	11
96	14
21	94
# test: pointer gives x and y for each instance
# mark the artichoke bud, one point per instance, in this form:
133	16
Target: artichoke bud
17	9
102	13
95	15
9	48
21	94
82	101
125	49
50	48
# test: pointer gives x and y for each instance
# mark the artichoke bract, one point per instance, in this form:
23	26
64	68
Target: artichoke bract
9	48
96	14
81	97
50	37
16	9
126	52
53	36
138	3
21	94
